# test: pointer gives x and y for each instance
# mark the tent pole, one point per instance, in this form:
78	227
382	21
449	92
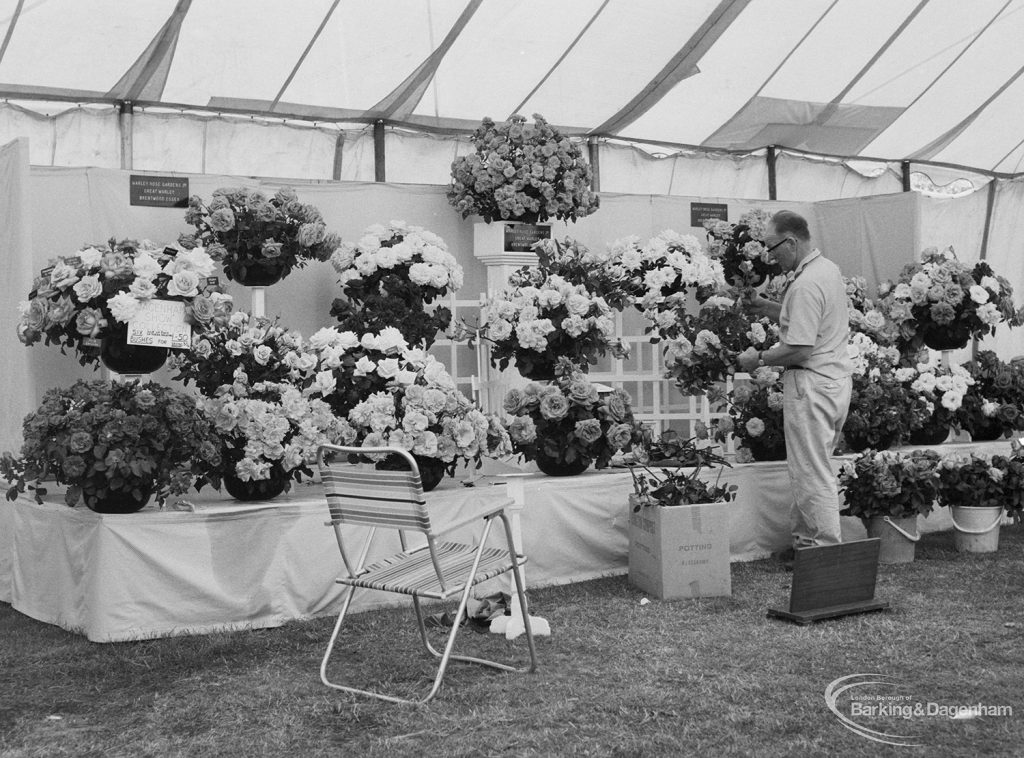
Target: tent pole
595	163
770	157
905	173
378	151
124	118
339	146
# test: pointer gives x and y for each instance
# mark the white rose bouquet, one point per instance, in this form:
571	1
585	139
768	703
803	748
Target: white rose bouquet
423	412
390	276
662	272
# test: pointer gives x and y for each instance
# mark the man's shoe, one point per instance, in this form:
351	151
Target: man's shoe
785	557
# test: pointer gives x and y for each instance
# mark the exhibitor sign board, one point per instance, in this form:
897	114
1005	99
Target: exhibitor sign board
701	212
158	191
160	323
520	238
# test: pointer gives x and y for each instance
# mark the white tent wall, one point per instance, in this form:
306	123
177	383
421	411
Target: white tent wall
16	273
625	168
801	177
873	237
1005	254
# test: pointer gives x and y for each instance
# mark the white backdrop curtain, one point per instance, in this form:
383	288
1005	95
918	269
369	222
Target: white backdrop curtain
16	275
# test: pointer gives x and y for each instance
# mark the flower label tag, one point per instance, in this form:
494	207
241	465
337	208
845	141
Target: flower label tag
45	273
212	281
74	260
520	238
160	323
91	342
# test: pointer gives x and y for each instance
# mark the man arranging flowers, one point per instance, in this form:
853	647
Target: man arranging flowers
814	331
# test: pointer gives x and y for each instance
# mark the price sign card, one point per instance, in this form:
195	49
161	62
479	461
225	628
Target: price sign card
160	323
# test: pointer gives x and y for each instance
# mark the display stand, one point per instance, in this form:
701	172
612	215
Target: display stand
832	581
259	302
512	625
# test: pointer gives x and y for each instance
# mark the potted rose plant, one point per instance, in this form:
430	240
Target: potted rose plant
994	405
258	239
679	527
883	407
115	445
390	276
85	301
521	171
978	489
888	490
567	425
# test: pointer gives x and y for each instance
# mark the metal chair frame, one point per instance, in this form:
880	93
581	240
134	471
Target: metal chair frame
416	520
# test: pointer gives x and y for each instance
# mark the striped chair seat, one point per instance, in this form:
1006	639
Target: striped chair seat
413	573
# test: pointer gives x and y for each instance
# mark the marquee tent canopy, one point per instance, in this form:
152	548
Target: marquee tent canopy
936	81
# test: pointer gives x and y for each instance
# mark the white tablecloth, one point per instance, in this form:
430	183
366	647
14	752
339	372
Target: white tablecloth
230	566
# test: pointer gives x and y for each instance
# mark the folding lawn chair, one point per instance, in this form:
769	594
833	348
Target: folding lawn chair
358	495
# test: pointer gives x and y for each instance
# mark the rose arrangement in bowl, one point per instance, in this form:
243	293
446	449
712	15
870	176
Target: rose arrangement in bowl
541	317
890	483
114	445
602	274
389	277
258	239
942	302
683	486
994	404
945	388
567	425
703	346
883	406
423	412
270	433
522	171
82	300
661	274
746	262
263	349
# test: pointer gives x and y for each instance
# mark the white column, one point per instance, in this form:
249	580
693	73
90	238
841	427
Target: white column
489	247
512	625
259	301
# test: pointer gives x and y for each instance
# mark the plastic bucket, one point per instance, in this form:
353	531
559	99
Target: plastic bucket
977	529
897	537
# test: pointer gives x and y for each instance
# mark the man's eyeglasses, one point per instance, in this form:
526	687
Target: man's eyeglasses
769	249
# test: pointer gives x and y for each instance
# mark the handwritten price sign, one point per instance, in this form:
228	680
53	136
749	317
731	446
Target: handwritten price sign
160	323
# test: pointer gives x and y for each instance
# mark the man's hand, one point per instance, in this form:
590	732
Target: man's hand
761	306
747	360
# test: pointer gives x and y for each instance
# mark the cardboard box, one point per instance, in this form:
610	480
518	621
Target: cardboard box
680	551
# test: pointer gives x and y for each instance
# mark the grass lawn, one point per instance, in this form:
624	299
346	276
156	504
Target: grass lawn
708	677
